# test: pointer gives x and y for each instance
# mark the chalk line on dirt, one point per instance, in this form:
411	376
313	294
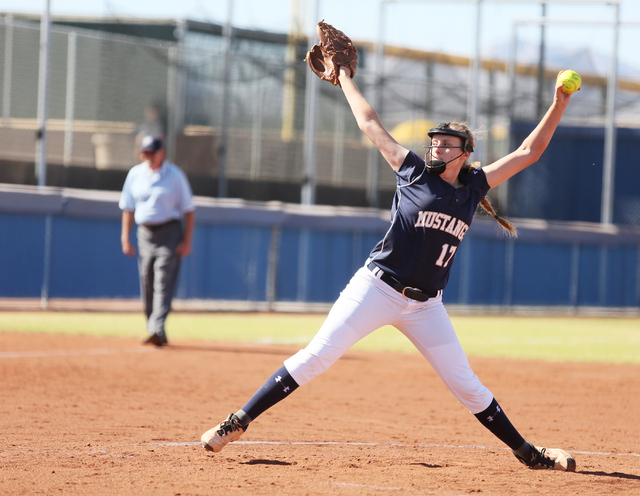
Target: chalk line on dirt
399	445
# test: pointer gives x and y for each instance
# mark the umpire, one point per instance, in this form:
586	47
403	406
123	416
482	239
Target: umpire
158	198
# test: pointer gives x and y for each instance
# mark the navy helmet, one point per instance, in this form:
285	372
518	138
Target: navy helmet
445	129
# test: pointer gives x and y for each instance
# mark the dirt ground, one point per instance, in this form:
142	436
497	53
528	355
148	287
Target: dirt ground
89	415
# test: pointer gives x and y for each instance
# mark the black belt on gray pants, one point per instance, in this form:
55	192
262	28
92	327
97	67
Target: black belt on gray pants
407	292
155	227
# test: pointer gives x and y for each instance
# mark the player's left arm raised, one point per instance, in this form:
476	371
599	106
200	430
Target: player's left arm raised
533	146
369	122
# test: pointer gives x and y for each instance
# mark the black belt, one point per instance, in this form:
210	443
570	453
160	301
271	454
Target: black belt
407	292
155	227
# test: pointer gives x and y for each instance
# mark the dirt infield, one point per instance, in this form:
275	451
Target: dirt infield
86	415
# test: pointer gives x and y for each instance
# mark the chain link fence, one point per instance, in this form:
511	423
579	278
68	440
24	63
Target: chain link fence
244	103
98	88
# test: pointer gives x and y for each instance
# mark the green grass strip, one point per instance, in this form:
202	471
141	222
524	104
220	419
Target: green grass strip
583	339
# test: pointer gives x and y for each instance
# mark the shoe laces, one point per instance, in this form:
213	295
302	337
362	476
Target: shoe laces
230	425
540	458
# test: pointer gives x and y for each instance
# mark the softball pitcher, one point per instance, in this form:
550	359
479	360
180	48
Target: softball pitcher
402	281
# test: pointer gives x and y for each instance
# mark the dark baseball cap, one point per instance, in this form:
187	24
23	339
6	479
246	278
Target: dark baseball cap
151	144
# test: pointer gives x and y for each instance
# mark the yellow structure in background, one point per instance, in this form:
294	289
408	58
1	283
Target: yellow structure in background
412	132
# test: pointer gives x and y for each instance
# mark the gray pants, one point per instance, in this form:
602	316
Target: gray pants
158	265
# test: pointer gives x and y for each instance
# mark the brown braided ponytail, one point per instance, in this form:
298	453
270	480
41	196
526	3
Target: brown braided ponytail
506	225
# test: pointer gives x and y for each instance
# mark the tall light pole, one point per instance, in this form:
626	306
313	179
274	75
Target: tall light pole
474	82
227	33
43	87
608	170
308	191
540	89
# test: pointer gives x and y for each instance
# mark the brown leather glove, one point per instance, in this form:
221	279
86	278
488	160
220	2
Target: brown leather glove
334	50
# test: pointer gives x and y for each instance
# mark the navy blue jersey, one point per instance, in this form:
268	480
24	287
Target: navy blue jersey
429	218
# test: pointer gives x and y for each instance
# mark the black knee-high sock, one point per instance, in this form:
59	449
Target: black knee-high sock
494	419
278	387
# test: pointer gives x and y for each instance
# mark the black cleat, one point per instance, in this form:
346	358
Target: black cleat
225	432
549	458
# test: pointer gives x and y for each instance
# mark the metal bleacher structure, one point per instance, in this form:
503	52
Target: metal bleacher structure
256	247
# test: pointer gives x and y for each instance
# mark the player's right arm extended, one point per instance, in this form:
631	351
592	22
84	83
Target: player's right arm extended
533	146
369	122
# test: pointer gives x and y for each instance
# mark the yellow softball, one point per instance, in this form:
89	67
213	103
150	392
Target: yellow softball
570	80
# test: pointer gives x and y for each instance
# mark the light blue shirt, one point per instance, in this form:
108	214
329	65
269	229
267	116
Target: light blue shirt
158	196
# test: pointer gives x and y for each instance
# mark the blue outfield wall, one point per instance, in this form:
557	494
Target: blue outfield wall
566	183
66	244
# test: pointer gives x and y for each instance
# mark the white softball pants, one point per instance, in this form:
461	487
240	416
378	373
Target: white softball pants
367	304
